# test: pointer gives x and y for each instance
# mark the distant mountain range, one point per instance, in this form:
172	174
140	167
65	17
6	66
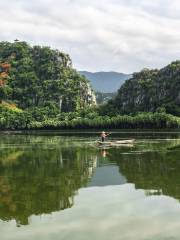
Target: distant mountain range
107	82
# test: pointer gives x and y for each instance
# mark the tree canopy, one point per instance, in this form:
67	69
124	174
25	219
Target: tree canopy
41	76
150	90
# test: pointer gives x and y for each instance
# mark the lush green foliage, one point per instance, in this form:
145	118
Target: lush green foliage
41	77
45	118
39	89
142	121
148	90
13	119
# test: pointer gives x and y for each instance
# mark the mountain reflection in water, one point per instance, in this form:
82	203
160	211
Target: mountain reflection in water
41	175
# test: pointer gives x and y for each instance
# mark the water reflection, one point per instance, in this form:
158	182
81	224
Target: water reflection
41	175
112	212
153	171
41	179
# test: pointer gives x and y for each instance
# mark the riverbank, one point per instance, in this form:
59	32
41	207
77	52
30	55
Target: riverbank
140	121
24	121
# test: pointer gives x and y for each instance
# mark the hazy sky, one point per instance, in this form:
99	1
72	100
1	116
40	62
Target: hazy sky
118	35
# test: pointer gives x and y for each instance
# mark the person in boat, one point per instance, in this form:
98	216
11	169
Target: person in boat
103	136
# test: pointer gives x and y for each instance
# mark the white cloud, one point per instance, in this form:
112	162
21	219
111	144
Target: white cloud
121	35
115	212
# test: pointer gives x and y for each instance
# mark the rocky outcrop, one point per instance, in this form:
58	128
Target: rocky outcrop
150	90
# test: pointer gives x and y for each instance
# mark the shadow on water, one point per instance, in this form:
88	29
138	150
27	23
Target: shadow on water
42	174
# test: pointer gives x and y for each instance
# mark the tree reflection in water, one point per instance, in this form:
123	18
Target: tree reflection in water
39	179
157	171
41	175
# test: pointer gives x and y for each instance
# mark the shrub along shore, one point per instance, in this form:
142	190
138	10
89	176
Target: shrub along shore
28	120
140	121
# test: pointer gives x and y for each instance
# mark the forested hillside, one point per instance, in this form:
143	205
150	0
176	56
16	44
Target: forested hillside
39	89
150	91
41	77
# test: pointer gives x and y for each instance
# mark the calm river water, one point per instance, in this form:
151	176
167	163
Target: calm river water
56	187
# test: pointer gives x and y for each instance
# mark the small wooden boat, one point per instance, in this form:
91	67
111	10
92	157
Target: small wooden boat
116	143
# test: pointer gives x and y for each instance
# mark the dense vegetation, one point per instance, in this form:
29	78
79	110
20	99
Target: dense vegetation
149	90
39	89
84	119
41	77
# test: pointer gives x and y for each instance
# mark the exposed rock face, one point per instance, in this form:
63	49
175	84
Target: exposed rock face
90	96
86	95
151	89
